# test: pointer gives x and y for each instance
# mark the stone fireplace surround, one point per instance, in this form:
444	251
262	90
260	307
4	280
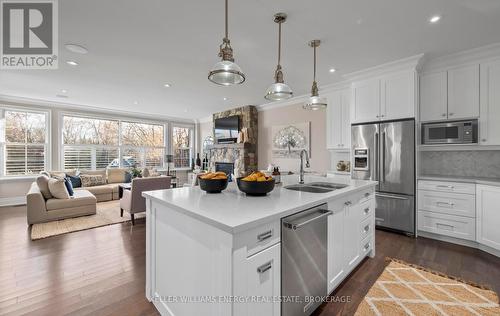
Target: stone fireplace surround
242	155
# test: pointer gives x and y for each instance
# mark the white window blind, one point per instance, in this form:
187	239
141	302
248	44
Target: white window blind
23	142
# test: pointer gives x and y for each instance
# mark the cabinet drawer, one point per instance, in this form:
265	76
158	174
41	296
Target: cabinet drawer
365	247
447	203
365	228
445	186
259	238
367	209
447	225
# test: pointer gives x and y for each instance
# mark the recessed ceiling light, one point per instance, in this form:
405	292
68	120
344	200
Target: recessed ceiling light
72	63
78	49
225	99
136	102
167	85
332	70
435	19
64	91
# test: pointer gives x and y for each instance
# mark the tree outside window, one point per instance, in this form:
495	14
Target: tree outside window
182	146
25	143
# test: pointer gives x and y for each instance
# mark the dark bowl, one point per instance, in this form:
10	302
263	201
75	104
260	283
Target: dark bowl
255	188
213	185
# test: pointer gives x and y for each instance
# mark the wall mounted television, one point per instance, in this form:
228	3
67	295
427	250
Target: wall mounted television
226	129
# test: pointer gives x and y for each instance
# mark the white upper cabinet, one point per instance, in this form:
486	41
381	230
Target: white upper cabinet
450	95
489	122
434	96
389	97
488	216
338	124
463	92
366	101
398	95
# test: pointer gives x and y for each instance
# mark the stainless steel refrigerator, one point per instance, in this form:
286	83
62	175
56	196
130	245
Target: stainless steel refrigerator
385	152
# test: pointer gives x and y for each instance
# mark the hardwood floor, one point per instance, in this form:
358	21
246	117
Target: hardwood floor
102	271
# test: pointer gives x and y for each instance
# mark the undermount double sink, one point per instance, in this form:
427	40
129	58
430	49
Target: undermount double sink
316	187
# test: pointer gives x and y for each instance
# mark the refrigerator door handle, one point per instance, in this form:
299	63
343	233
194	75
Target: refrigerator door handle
376	154
382	173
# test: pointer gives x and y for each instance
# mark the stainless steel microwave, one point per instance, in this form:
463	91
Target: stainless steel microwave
459	132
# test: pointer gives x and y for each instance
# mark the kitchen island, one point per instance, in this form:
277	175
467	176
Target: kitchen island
220	254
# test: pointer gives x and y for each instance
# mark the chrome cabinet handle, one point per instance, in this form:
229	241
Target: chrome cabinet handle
445	186
451	114
367	228
348	203
444	114
367	246
367	194
266	266
367	210
445	203
483	140
265	235
379	219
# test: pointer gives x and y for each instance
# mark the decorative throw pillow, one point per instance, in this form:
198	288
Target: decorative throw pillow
43	185
92	180
116	175
58	188
76	182
69	186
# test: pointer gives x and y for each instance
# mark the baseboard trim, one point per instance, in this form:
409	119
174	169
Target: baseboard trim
13	201
462	242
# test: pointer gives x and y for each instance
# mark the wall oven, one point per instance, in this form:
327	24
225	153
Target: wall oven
459	132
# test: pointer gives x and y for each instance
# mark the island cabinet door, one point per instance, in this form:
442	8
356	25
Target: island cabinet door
336	261
351	235
263	272
488	216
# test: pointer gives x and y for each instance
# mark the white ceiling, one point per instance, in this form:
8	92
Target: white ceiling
137	46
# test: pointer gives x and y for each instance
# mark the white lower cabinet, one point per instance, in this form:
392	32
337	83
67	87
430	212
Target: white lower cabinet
350	235
465	211
488	216
263	272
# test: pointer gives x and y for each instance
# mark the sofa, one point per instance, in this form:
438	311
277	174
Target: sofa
40	210
105	192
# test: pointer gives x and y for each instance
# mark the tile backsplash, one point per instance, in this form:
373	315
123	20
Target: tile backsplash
481	164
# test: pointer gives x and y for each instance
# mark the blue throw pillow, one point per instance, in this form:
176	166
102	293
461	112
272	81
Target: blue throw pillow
76	182
128	177
69	186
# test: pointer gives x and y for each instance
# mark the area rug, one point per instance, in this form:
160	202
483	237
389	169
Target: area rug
108	213
407	289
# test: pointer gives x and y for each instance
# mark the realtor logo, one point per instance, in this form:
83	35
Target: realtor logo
29	34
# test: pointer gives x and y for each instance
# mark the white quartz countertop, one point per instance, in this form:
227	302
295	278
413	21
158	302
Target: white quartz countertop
476	180
234	212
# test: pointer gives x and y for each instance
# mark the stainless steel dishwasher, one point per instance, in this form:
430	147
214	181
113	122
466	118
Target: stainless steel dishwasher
304	260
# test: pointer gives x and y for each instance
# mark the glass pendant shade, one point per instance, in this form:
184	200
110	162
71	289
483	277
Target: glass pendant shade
226	73
278	91
315	103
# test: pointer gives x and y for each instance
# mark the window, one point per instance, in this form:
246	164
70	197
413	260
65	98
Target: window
182	146
92	143
23	142
144	144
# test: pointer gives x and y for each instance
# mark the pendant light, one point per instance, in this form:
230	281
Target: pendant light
278	90
315	102
226	72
